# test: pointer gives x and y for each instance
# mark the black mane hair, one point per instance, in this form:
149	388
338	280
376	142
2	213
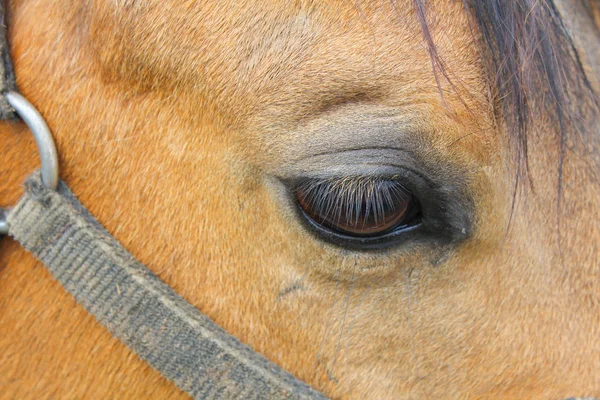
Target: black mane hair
534	66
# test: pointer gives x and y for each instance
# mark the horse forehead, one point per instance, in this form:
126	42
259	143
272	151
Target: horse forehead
266	66
250	47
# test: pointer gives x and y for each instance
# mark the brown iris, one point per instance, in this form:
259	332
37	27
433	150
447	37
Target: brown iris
357	206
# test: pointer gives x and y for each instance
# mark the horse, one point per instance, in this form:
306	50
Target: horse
388	199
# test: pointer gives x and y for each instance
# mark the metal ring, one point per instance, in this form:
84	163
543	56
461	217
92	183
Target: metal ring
3	223
43	138
45	144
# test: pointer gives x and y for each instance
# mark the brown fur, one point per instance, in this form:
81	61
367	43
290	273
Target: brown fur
172	119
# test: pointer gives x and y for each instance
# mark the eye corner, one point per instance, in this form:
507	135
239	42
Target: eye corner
449	216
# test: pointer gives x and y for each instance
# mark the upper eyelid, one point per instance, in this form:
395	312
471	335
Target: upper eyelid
374	161
411	178
359	148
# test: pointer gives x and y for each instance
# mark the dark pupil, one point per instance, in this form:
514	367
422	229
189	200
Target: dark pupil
357	207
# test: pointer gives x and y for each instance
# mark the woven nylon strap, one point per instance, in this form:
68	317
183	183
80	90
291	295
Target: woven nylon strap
181	343
7	74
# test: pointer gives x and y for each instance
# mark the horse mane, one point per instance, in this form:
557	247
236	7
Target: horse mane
534	67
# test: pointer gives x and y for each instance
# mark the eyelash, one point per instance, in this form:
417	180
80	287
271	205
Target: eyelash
354	209
328	195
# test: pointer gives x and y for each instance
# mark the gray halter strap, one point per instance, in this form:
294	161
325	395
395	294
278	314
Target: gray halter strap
176	339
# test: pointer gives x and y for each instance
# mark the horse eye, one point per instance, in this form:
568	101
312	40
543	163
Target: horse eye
357	207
